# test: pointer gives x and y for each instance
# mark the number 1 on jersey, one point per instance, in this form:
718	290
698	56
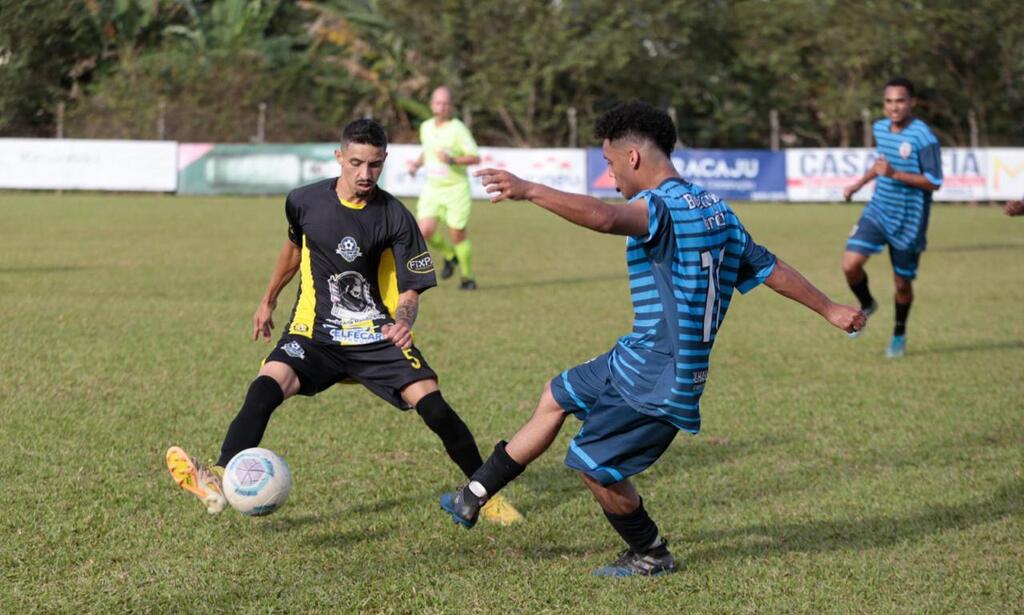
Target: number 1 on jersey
713	302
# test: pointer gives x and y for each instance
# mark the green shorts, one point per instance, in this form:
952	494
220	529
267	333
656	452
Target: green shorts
449	204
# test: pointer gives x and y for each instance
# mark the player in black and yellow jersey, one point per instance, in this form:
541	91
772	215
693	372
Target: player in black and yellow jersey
362	264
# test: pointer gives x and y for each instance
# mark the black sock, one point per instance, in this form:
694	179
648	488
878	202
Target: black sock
456	437
637	529
902	312
863	294
498	471
247	429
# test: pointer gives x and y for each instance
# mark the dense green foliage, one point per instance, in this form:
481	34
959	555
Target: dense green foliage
826	480
200	68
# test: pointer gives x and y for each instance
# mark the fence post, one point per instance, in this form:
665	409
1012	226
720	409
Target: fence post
467	117
161	124
865	120
60	121
573	126
972	123
773	123
261	123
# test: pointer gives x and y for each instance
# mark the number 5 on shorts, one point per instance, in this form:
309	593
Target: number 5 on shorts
412	358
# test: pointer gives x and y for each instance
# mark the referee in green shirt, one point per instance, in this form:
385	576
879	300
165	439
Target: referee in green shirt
448	148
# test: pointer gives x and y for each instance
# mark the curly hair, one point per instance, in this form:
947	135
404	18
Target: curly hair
638	120
366	132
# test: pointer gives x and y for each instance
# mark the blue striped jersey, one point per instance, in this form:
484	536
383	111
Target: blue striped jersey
681	277
899	209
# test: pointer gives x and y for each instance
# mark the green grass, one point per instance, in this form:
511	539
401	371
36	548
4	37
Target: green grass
827	479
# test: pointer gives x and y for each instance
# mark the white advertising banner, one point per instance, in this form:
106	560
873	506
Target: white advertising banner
564	169
1005	173
821	174
88	164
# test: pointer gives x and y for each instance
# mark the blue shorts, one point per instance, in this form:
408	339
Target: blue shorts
615	441
868	238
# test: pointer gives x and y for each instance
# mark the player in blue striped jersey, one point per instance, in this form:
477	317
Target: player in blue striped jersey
686	252
908	170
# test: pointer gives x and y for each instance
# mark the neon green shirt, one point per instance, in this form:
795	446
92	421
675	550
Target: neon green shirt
452	137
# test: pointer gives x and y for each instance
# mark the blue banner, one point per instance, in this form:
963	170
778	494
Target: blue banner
742	175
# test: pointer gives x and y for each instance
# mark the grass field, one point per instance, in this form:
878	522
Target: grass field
827	479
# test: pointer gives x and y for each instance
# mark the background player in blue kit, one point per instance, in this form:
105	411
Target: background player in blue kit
362	264
686	252
908	170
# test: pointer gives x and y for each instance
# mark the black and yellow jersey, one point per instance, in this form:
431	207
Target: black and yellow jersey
355	261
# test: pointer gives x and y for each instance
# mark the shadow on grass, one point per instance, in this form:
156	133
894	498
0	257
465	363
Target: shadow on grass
606	277
984	247
868	533
983	346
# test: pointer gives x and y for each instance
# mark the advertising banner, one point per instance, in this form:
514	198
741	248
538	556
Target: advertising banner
1005	177
88	164
748	175
207	168
821	174
564	169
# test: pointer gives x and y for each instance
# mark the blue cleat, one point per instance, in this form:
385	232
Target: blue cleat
897	347
651	563
463	510
868	311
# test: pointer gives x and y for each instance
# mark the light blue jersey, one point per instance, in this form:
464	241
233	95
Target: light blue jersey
681	276
899	209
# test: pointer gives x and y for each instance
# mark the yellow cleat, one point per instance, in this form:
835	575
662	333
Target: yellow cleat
498	510
197	479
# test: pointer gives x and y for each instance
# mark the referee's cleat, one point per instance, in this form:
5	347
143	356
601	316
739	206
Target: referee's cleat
462	505
868	311
449	267
897	347
498	510
650	563
468	284
197	479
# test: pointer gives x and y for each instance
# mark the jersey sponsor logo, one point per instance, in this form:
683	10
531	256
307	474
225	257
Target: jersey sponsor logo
421	263
349	249
352	298
701	201
351	337
906	149
294	350
300	327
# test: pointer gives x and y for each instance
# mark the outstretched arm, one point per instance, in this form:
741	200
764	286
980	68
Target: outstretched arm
790	283
586	211
284	271
408	307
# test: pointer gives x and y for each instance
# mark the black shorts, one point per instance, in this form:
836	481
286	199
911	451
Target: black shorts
381	367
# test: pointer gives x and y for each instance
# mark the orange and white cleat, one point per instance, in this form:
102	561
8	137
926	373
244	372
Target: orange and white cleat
197	479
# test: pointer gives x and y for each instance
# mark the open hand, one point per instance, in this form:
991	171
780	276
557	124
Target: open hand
502	185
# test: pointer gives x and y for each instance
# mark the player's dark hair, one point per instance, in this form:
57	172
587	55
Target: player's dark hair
638	120
901	82
366	132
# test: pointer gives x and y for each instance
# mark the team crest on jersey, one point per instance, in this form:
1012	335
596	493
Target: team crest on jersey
294	350
349	249
421	263
906	149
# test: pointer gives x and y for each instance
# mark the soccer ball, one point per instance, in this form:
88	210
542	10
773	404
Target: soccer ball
257	481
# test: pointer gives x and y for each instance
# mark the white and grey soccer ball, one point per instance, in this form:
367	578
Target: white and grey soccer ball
257	481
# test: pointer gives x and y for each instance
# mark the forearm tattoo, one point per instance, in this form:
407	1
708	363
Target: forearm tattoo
406	312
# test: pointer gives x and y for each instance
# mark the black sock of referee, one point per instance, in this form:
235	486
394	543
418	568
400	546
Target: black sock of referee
637	529
247	429
863	294
902	312
499	470
456	437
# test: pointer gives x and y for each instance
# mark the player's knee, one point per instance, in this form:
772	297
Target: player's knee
437	414
852	265
284	375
